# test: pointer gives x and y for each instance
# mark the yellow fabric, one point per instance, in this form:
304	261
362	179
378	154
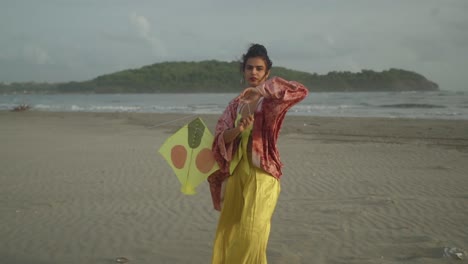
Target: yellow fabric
237	157
249	202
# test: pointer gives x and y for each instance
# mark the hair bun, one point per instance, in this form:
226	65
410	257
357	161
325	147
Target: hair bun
256	50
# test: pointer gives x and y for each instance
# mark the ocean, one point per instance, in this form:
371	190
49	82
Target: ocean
430	105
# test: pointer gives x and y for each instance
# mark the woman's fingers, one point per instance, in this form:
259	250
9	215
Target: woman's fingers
245	122
250	119
250	94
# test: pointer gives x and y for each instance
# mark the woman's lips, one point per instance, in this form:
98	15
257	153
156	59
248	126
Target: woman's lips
253	79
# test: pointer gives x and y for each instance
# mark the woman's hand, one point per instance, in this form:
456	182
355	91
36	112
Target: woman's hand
231	134
245	122
249	95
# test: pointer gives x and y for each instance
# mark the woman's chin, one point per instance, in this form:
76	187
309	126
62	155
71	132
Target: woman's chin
253	84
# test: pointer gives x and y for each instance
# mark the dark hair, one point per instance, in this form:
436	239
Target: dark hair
256	50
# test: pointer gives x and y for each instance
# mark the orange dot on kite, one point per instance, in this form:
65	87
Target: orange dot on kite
205	160
178	156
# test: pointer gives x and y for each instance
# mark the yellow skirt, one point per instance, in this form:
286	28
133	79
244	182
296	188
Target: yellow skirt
244	223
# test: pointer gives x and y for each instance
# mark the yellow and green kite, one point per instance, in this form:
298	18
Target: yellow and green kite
188	152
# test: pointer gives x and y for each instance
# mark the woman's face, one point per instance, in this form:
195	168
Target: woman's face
255	71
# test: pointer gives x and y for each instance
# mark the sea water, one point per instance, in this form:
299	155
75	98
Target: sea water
434	105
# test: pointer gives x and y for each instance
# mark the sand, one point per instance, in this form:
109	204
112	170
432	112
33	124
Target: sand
91	187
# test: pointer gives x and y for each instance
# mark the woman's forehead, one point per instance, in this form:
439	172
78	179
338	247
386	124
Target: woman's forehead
255	61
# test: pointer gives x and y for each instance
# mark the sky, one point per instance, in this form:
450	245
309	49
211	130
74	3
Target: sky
77	40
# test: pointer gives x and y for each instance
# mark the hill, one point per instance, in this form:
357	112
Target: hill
217	76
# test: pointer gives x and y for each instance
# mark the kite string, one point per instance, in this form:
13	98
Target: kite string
172	121
167	122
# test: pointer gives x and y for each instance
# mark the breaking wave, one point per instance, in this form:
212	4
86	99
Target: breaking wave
412	106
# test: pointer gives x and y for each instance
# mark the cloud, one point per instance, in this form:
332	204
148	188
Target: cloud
141	24
427	36
26	53
36	55
143	28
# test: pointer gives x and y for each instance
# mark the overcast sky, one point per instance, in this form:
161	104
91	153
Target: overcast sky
75	40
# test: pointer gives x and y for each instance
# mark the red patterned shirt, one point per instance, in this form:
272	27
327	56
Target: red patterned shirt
279	96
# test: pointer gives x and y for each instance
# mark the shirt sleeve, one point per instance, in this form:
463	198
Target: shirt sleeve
223	152
279	96
215	181
281	89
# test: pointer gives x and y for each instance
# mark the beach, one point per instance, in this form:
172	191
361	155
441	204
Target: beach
91	187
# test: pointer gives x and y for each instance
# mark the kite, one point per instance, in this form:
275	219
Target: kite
188	152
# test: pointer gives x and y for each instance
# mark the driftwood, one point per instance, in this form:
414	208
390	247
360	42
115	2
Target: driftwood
21	107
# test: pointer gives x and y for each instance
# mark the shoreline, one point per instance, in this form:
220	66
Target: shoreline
426	128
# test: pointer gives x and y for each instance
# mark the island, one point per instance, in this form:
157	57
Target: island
213	76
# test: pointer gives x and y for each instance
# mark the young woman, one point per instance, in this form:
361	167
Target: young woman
250	167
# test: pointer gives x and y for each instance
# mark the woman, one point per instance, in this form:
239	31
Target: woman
250	167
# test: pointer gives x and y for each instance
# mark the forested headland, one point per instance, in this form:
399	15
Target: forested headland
216	76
